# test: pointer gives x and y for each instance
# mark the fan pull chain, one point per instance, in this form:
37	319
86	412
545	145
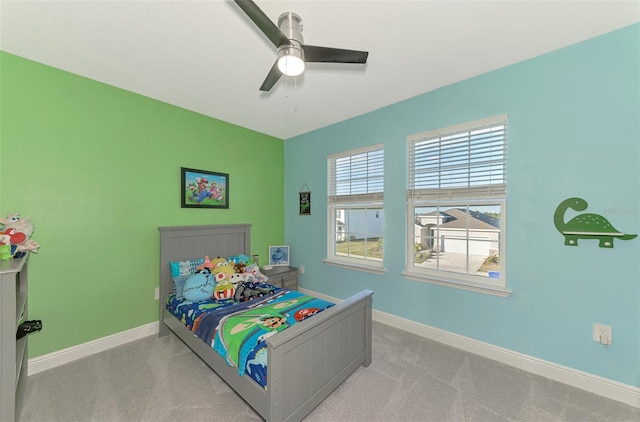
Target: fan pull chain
295	91
286	86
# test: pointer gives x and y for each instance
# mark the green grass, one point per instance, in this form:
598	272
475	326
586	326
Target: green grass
357	248
491	263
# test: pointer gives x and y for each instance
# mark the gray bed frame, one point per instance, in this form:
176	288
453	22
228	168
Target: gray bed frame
306	362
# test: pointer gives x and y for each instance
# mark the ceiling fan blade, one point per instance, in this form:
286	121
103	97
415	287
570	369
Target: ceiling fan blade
263	22
271	79
313	53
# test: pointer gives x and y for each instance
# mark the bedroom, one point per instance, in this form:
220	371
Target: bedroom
97	169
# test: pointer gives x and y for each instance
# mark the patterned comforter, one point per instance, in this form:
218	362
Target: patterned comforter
238	330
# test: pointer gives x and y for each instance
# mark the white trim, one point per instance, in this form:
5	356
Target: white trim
614	390
462	127
357	265
64	356
601	386
473	286
356	151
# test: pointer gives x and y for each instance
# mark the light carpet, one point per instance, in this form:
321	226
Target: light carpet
410	379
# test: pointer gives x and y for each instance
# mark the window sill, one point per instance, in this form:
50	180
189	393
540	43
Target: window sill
486	288
375	268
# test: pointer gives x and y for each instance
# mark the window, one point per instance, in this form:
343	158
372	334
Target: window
355	208
456	206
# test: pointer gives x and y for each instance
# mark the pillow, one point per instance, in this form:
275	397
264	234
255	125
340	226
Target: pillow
178	285
180	270
199	286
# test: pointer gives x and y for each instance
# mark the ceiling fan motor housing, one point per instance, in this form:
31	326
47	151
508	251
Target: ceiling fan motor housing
290	25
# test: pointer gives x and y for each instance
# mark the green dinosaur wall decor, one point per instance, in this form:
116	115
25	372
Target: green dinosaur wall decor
585	226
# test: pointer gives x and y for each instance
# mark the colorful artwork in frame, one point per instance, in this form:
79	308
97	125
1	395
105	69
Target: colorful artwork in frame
204	189
279	256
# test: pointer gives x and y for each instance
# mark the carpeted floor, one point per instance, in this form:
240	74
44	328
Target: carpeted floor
410	379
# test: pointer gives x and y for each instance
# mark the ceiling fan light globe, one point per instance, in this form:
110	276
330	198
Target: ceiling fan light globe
291	65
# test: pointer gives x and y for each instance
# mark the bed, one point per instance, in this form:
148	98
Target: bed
306	362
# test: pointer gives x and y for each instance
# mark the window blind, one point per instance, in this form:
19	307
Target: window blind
356	177
468	163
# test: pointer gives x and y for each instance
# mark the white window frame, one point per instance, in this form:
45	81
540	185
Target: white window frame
491	193
372	199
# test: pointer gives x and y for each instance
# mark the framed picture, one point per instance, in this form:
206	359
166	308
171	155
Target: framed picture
204	189
305	203
278	256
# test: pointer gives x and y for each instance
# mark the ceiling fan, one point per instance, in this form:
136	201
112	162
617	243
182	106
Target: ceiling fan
292	52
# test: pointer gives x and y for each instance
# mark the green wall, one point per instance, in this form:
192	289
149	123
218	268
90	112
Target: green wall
98	170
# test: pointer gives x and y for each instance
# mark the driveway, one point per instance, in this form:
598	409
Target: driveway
454	262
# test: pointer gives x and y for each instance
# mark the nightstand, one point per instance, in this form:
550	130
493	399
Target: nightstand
286	277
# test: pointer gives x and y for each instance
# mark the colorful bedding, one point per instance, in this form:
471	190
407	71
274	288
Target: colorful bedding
238	330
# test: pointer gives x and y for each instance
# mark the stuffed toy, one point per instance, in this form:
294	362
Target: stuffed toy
242	278
240	259
225	269
255	271
5	252
199	286
240	268
223	290
15	233
206	264
219	261
251	290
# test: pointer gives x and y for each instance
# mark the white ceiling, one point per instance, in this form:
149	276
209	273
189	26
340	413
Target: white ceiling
208	57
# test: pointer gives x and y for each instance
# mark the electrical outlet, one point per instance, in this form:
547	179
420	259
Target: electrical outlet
157	293
603	334
301	269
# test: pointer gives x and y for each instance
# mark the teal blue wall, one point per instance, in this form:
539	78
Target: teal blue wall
574	118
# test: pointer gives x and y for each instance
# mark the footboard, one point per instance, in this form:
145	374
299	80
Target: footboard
311	359
306	362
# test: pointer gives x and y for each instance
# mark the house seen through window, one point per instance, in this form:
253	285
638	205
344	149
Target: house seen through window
456	206
355	202
459	238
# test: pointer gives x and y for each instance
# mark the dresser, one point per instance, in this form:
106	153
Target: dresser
286	277
13	353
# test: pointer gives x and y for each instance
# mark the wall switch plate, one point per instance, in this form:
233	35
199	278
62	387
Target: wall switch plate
301	269
157	293
603	334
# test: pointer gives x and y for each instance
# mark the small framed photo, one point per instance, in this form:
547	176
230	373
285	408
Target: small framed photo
204	189
279	256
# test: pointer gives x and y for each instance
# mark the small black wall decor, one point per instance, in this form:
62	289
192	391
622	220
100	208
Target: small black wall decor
305	200
305	203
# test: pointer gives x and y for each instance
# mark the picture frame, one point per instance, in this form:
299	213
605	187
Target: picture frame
203	189
305	203
279	256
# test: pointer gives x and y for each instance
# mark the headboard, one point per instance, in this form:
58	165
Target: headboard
180	243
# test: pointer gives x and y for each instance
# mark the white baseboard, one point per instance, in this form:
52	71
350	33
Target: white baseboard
595	384
61	357
605	387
